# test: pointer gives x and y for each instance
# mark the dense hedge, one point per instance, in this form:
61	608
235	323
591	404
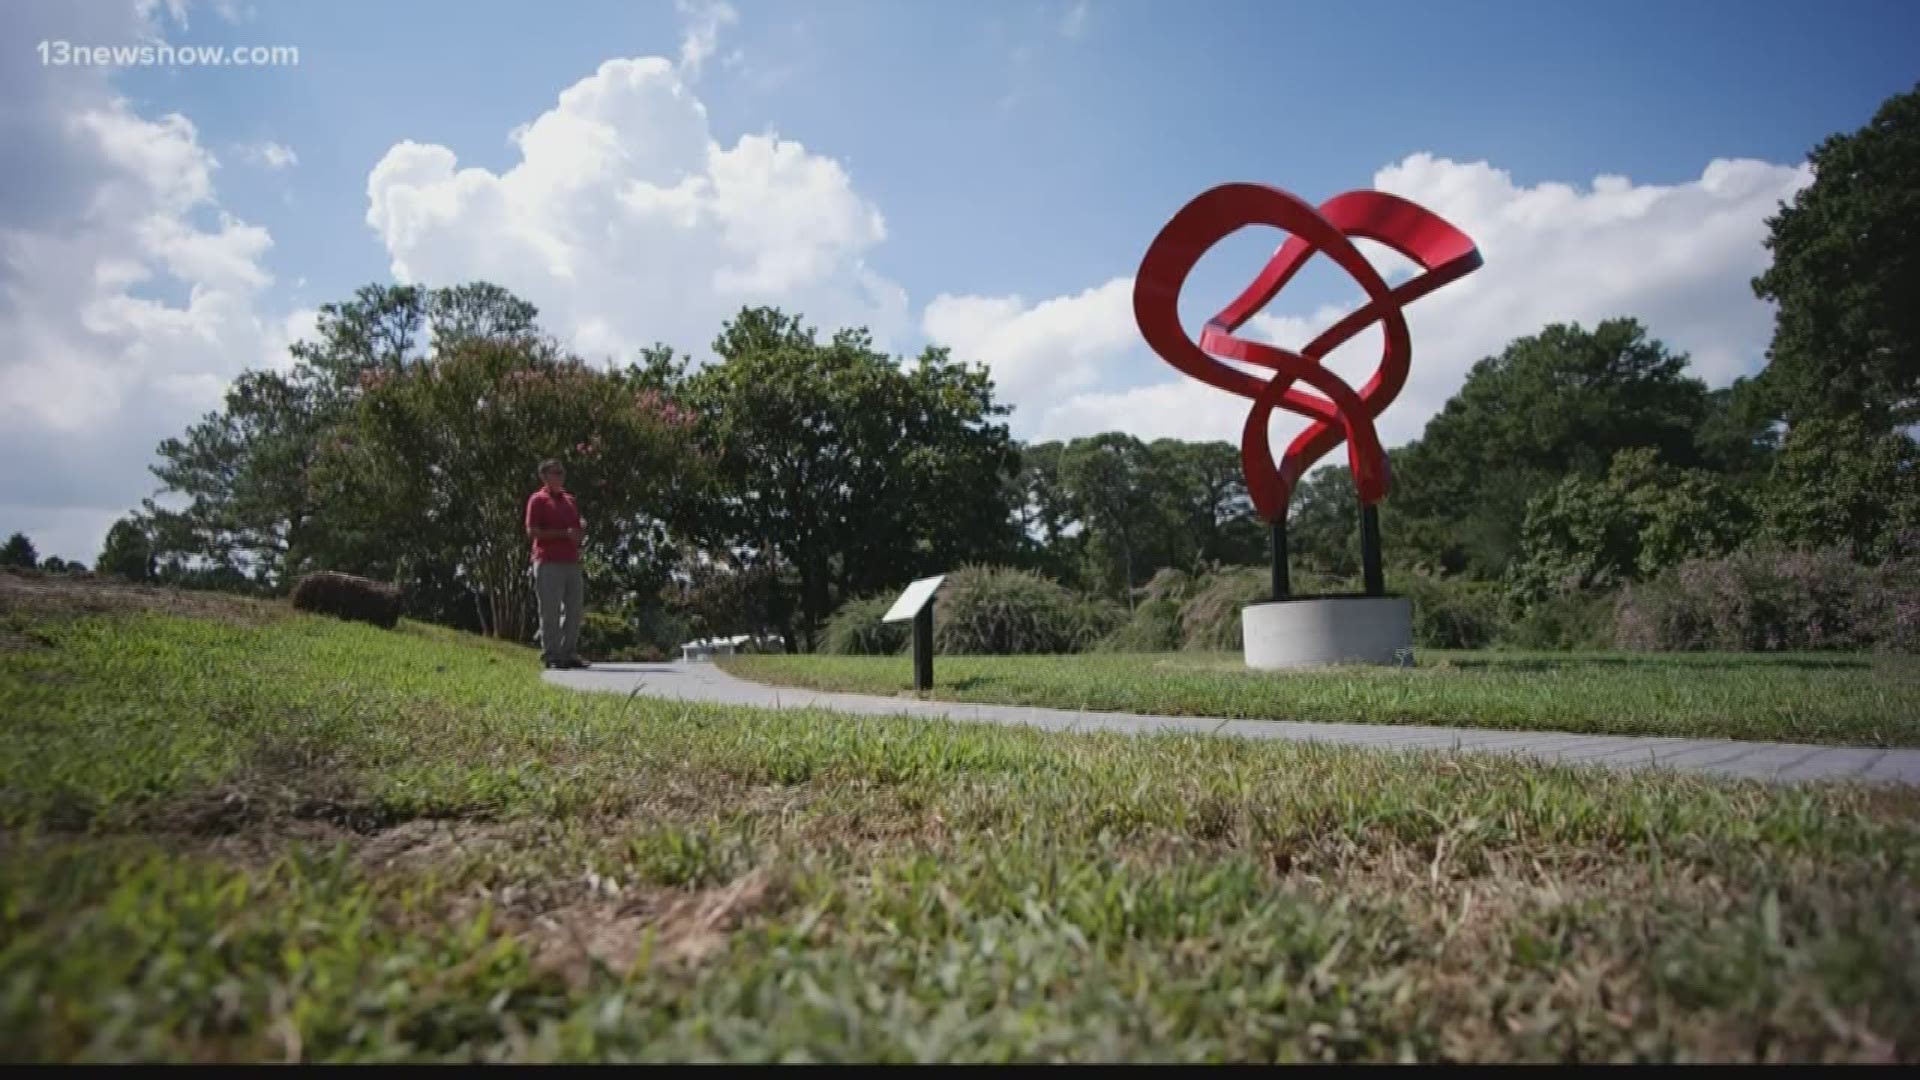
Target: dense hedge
856	629
998	611
1211	619
1154	627
1451	613
345	596
1773	598
604	634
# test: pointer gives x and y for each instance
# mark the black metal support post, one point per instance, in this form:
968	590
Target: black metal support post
923	648
1282	586
1376	583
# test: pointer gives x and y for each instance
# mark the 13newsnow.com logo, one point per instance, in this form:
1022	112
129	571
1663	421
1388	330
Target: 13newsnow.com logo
67	54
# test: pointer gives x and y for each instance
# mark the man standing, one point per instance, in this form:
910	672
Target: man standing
553	522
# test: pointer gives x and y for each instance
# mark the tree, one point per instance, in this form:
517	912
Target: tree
1053	538
1641	518
1560	403
438	457
1846	275
478	309
722	599
835	461
1112	480
1323	522
1736	437
1838	482
18	551
246	471
1206	490
128	551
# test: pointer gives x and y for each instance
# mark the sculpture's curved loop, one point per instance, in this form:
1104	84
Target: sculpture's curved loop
1443	253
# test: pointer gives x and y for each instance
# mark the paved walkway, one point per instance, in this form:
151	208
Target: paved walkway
1785	762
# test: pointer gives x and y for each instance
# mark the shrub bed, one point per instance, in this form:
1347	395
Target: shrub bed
344	596
856	629
999	611
1767	599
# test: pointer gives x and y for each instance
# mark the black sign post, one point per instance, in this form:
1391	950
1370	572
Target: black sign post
1282	586
916	603
1370	550
923	649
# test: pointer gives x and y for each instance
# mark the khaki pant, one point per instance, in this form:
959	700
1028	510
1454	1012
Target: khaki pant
562	590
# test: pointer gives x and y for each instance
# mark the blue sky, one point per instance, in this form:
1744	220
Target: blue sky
982	174
1011	157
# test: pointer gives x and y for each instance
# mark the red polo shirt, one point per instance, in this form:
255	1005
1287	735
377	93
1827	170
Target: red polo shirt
546	511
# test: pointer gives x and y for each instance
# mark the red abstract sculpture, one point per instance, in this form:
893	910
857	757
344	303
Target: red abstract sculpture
1443	252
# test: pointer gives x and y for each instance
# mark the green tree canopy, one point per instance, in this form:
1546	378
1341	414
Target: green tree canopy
1838	482
852	469
1053	538
1206	490
1641	518
438	458
1112	479
1323	522
246	471
18	551
1555	404
1846	277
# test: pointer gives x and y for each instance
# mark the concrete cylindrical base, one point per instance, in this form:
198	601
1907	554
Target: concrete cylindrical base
1320	630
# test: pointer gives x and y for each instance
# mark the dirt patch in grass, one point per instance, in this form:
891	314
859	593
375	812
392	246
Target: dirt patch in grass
1523	954
674	927
15	638
30	596
573	925
534	876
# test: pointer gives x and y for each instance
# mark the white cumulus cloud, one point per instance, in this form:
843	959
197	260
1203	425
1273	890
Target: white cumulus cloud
270	155
1037	353
704	21
627	223
128	296
1677	256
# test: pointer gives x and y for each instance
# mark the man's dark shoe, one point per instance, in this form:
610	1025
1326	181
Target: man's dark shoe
576	664
552	665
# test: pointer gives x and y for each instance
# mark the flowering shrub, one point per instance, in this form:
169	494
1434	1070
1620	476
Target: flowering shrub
661	408
442	456
1768	598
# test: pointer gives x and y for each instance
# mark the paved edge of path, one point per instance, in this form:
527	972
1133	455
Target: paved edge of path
1780	762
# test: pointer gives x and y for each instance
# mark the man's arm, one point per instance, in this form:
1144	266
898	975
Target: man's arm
535	530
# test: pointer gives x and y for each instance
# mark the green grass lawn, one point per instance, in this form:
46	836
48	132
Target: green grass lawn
1843	700
234	834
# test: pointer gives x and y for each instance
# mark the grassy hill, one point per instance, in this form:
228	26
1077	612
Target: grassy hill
231	832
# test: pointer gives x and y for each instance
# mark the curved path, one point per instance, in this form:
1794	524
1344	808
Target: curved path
1784	762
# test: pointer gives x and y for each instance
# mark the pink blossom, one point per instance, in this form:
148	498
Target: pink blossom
665	411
